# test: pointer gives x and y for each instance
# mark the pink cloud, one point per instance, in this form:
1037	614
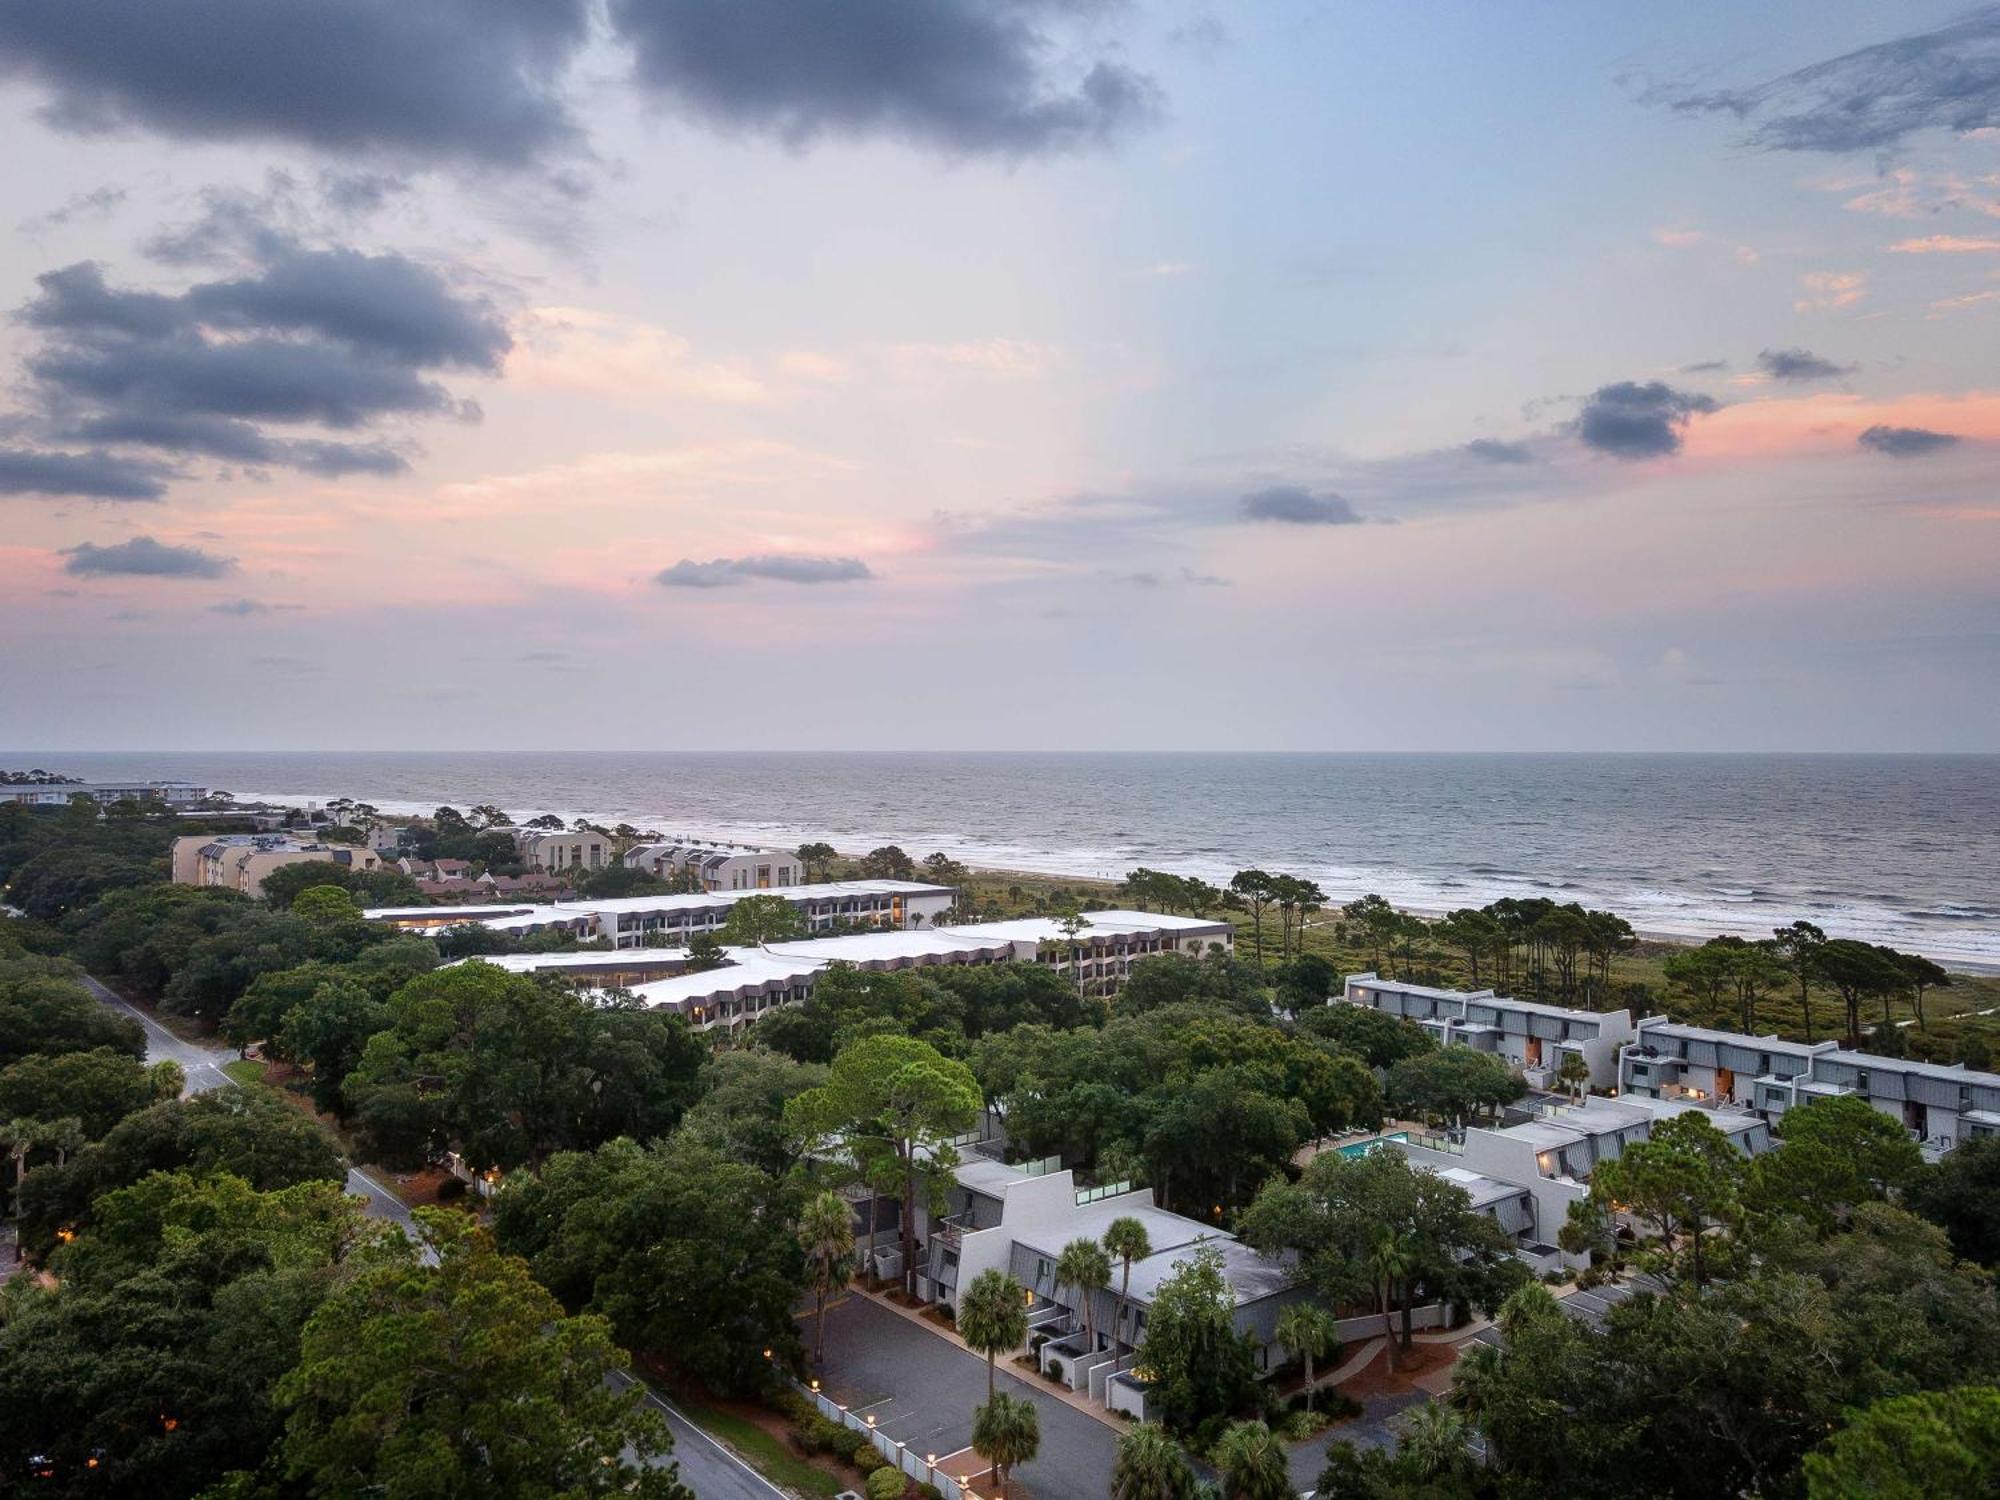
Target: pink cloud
1825	291
1946	244
1832	421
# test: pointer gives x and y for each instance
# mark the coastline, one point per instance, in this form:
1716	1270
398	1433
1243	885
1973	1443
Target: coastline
983	864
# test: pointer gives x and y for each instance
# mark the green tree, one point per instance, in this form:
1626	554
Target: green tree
1198	1364
42	1010
1451	1084
993	1317
1961	1193
1392	1261
1007	1431
1379	1039
464	1378
1149	1465
1684	1179
1573	1073
816	860
1084	1267
327	1030
1936	1445
1858	972
1833	1155
97	1088
887	863
1250	1463
1255	889
1307	1333
1433	1444
689	1255
756	920
1376	923
325	906
826	1235
742	1108
1798	945
899	1096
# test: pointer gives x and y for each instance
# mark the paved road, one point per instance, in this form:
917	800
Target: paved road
921	1390
707	1467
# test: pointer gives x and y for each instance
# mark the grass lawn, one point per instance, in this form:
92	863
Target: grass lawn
768	1455
246	1071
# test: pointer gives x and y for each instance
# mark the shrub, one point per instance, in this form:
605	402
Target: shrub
929	1491
795	1408
451	1188
887	1483
1337	1406
1055	1371
805	1438
854	1446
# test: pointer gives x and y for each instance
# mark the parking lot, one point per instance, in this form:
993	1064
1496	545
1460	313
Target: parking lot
922	1391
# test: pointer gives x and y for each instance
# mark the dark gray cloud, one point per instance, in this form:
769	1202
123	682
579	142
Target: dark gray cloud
94	204
240	607
1294	506
1905	442
1633	419
1872	98
471	81
144	558
1705	367
328	337
1799	365
965	76
1496	452
92	476
722	572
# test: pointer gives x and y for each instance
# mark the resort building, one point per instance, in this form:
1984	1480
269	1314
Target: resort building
718	866
751	982
1939	1104
1553	1154
176	794
1019	1218
654	921
240	861
555	850
1533	1037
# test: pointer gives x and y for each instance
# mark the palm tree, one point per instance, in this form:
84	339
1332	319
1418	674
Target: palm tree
20	1136
1389	1261
1434	1441
826	1234
1151	1466
993	1317
1007	1431
1084	1265
1306	1331
1251	1463
1126	1241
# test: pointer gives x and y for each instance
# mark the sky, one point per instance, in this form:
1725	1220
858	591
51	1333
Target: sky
1010	374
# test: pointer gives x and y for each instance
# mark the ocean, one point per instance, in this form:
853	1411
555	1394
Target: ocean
1897	849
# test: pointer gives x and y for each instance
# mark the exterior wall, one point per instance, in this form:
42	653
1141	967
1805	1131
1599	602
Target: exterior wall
1532	1037
565	851
205	860
721	867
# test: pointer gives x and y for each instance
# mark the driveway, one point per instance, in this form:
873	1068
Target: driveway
921	1390
1376	1427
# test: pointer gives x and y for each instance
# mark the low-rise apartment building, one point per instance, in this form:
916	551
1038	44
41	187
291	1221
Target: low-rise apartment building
1553	1154
718	866
240	861
1018	1218
1940	1104
650	921
176	794
1099	956
555	850
1532	1036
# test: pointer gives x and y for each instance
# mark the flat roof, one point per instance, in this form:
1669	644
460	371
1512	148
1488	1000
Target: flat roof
891	943
1951	1072
746	969
589	958
1102	924
1733	1039
1483	1189
1480	997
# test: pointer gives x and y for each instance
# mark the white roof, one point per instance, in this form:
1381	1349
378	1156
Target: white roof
893	943
1102	924
746	969
589	958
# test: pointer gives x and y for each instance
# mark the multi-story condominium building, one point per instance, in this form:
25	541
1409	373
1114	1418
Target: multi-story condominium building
1531	1036
557	850
1018	1218
649	921
176	794
1939	1104
1553	1154
240	861
1099	956
718	866
751	982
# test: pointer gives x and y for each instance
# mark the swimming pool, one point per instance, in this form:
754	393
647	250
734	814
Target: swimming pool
1362	1148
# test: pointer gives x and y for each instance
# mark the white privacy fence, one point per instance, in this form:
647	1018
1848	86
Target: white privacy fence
922	1467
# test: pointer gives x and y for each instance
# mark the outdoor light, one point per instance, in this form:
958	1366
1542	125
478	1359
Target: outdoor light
1028	1296
930	1460
871	1419
815	1384
767	1354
